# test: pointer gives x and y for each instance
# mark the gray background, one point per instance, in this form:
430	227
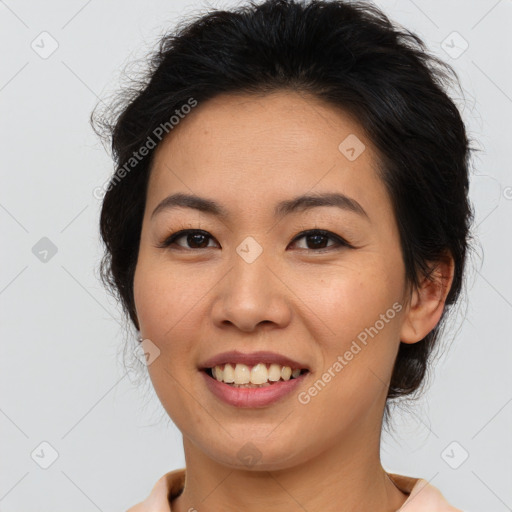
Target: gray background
62	378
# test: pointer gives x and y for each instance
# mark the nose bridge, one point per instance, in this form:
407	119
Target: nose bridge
251	270
251	294
251	283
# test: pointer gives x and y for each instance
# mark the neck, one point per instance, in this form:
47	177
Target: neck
346	477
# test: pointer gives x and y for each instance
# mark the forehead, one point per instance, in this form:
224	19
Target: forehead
248	149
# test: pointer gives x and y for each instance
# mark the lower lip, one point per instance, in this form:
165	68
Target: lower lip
252	397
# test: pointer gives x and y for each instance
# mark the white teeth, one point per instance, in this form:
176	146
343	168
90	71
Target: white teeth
286	372
218	373
241	375
259	374
274	372
229	373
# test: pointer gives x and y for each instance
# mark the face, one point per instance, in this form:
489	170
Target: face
319	284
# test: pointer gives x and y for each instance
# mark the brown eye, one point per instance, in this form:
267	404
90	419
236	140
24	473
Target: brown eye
195	239
317	240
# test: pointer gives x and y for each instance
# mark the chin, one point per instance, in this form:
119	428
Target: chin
260	454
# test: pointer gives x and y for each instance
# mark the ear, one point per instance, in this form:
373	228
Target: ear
427	302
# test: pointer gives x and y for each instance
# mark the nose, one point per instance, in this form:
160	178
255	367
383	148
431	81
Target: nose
252	296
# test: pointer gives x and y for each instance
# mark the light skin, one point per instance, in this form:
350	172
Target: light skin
307	298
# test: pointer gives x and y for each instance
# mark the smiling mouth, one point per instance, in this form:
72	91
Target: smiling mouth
257	376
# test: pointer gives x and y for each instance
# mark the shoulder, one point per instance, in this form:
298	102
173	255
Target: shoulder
423	496
168	486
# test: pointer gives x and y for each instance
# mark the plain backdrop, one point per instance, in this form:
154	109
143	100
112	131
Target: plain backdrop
77	431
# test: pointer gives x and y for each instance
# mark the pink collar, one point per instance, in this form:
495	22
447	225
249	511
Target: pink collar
423	497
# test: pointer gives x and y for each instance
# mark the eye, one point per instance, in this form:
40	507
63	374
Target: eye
316	240
196	238
318	237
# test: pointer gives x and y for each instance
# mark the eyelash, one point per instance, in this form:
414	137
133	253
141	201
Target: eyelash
340	242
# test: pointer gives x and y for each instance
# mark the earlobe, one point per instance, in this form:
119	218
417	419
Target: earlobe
427	301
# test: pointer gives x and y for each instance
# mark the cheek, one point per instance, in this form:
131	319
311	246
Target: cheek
350	298
147	296
163	298
358	358
170	306
162	302
359	311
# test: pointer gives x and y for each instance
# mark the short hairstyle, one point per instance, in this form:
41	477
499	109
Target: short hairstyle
351	56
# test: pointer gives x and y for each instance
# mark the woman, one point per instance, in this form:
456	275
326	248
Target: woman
287	228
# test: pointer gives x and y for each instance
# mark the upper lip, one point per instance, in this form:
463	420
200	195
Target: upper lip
251	359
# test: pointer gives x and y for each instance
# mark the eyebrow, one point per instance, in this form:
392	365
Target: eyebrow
296	204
